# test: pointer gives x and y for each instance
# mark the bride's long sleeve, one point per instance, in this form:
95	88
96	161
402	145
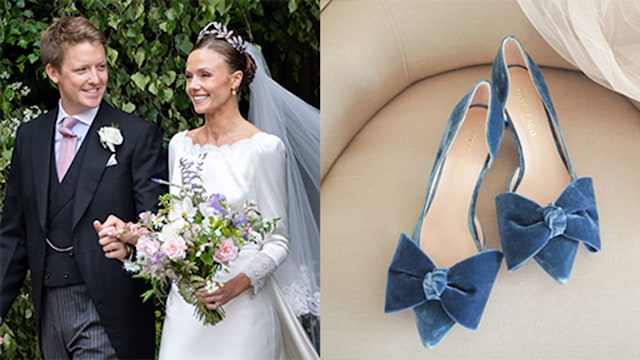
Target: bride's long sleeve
271	197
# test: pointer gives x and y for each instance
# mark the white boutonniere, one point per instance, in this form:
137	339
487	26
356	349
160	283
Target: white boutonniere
110	137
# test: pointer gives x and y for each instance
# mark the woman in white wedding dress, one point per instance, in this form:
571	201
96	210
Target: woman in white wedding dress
245	164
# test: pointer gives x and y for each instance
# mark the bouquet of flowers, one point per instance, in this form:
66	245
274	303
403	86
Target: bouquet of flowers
191	238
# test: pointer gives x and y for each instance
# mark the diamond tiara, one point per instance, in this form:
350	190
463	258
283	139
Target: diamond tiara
221	32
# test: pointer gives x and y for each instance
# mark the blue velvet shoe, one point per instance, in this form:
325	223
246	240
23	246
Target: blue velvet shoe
444	271
546	211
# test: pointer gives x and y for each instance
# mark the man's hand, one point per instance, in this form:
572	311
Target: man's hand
110	235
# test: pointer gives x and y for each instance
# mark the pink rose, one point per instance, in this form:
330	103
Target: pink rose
147	246
175	248
226	252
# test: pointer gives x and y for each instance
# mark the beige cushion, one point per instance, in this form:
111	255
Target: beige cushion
391	73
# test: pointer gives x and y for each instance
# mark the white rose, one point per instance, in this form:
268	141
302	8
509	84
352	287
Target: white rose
110	136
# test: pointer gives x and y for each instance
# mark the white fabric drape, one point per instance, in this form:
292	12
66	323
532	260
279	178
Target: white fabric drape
600	37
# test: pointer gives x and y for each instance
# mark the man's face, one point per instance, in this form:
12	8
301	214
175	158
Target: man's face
82	77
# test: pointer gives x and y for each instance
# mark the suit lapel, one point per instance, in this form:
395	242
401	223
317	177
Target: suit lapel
42	147
93	164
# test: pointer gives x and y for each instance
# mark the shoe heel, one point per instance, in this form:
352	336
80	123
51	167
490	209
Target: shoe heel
444	271
546	210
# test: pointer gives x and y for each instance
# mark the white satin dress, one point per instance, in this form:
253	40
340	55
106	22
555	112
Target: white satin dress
251	169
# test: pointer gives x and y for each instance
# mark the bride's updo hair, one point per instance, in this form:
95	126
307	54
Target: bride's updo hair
232	48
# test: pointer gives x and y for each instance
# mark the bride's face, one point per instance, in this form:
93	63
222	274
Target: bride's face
210	81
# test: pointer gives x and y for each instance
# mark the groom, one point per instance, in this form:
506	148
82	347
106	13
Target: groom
79	162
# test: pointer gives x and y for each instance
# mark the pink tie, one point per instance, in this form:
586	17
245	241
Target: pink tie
67	146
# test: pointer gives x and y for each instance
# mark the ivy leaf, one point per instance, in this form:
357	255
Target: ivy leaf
33	57
292	5
140	80
139	56
172	14
129	107
166	94
153	88
114	21
183	44
112	56
169	77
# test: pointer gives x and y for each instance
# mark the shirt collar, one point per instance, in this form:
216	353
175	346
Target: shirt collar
85	117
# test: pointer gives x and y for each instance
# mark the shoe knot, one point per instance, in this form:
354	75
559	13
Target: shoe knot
434	283
556	219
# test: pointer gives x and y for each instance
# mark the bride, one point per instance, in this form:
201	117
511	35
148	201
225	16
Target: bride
245	163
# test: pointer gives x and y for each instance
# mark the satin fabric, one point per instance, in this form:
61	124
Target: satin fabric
249	169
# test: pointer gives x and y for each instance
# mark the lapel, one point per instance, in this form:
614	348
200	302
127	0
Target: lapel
93	163
42	147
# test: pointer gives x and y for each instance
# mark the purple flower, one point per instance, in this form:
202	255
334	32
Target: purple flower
216	201
239	220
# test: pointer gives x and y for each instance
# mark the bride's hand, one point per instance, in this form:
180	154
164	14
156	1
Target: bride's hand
224	294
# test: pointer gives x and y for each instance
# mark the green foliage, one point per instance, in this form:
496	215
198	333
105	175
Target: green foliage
148	43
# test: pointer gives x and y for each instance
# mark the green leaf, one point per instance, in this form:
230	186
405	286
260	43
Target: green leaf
129	107
183	44
153	88
293	6
169	77
163	26
139	56
172	14
112	56
140	80
207	258
33	58
165	94
114	21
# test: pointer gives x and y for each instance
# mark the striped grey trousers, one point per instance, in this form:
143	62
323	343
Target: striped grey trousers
71	327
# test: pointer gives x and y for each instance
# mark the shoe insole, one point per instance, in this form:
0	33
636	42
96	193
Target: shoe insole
445	234
545	173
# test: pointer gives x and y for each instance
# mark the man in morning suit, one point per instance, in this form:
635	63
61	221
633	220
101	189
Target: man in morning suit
75	164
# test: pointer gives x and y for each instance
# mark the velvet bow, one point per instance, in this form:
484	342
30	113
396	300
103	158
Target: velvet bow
459	293
529	230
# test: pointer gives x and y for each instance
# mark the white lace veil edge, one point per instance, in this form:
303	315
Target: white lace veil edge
277	111
600	37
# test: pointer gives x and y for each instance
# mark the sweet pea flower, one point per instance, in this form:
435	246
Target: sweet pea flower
215	202
239	220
